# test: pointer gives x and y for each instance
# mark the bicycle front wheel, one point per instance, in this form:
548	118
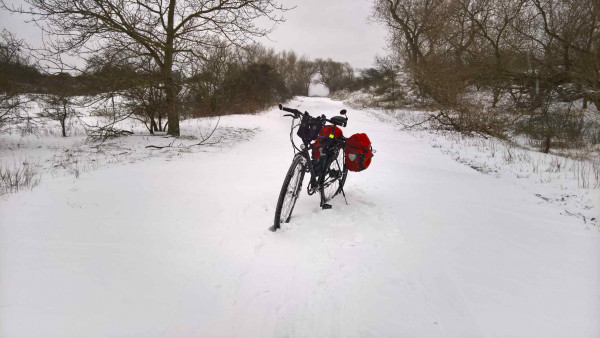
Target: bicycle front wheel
290	190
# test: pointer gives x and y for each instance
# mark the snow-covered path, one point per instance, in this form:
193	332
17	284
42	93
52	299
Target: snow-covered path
427	247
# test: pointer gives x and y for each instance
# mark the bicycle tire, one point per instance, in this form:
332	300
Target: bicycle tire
290	190
335	177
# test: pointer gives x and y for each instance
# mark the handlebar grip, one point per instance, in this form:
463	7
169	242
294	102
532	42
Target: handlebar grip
289	110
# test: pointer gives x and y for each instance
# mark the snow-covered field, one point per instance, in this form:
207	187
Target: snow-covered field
174	242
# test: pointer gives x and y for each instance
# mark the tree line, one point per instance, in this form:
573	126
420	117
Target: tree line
169	59
227	80
536	61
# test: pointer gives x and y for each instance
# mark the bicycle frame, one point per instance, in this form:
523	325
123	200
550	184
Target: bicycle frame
311	169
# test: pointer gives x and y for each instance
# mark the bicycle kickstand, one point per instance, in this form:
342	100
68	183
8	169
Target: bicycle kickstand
344	194
324	205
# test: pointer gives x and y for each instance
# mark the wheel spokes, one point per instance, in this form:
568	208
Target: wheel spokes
333	176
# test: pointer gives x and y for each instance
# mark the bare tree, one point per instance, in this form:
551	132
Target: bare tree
58	108
544	53
492	21
14	67
335	75
170	32
411	22
571	41
561	50
297	71
147	103
10	103
430	36
302	76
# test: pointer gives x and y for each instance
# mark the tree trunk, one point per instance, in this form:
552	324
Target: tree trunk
596	101
152	126
63	120
496	98
62	124
170	87
172	116
547	143
549	132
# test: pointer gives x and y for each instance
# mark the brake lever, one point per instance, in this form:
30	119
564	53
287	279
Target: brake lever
291	115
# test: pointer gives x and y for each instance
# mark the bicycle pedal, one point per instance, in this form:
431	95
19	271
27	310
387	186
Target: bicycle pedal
326	206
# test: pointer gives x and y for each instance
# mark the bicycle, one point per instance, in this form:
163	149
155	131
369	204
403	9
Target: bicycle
327	173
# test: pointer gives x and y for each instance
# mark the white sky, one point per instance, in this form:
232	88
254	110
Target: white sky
336	29
16	24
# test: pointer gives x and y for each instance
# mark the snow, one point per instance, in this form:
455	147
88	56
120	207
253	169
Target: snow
175	244
569	184
318	89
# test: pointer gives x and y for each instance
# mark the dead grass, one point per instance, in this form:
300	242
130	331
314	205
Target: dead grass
22	175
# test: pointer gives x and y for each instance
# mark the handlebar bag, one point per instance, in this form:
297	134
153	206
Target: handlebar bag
323	137
358	152
309	129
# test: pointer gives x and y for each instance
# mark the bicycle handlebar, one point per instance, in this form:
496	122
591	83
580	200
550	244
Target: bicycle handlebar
296	114
308	119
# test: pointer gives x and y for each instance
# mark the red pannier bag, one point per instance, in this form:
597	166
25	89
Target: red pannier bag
358	152
325	132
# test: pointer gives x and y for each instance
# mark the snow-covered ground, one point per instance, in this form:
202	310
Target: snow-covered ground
572	185
174	243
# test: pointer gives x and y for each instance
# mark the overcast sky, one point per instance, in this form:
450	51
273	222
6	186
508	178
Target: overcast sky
336	29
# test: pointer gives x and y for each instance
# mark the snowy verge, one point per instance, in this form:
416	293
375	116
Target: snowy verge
572	186
50	155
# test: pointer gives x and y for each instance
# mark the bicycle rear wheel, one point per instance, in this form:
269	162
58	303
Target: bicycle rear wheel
290	190
335	176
